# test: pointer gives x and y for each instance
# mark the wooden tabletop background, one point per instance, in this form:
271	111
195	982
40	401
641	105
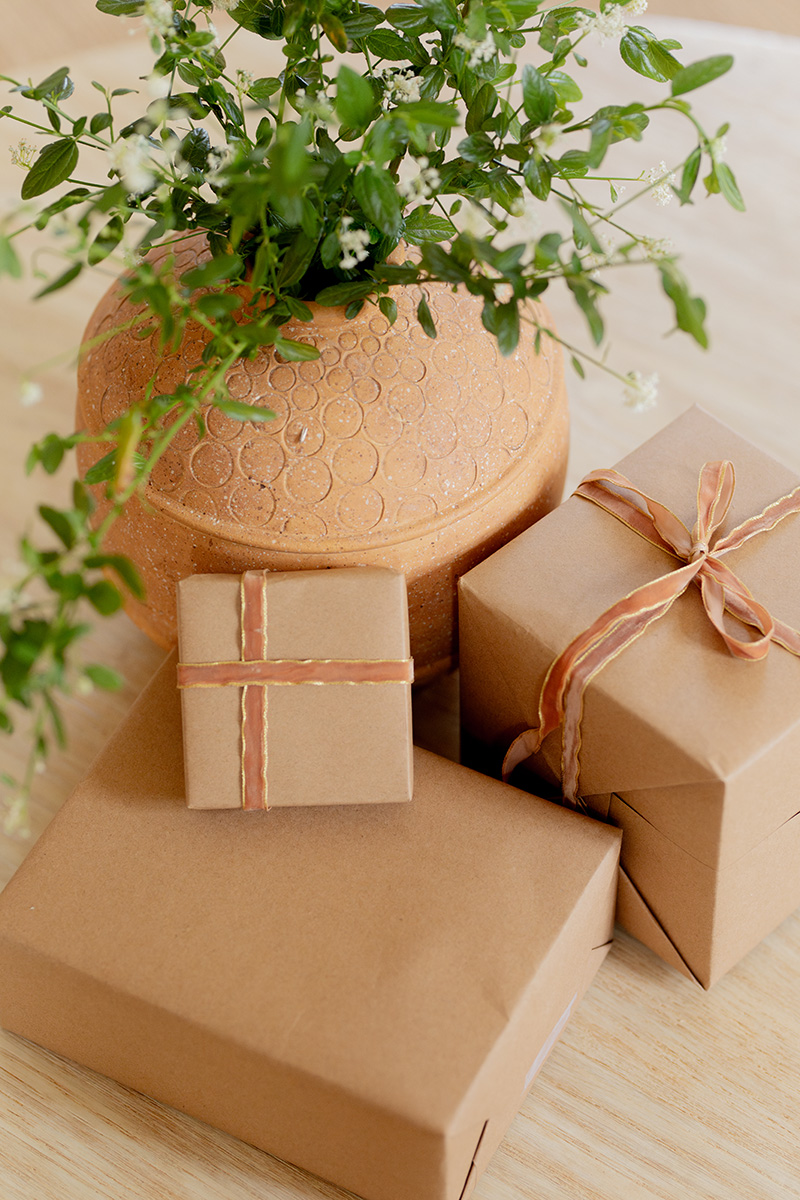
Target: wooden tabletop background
656	1091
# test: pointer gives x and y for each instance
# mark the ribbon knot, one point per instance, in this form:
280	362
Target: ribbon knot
561	698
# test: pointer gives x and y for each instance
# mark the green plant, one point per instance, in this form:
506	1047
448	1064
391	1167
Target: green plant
304	184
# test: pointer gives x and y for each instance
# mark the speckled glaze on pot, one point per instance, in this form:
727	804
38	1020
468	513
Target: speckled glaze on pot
391	449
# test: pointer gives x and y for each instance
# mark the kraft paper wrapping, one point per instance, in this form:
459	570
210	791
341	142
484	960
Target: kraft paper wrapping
366	992
323	743
693	749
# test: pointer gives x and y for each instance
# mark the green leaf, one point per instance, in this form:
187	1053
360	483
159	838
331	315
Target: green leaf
121	566
689	176
194	149
728	186
376	192
411	18
334	31
106	241
389	308
218	304
565	87
261	89
507	327
690	311
538	97
443	13
428	112
700	73
60	524
424	317
586	304
481	108
56	284
99	122
239	410
295	351
645	55
393	47
9	259
536	174
602	131
424	226
121	8
343	293
57	84
355	99
477	148
55	163
223	266
103	677
104	597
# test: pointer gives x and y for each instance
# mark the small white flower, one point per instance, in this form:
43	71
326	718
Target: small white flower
602	257
479	52
226	5
401	85
655	248
30	393
84	686
641	391
661	178
317	106
423	184
612	23
23	154
158	86
719	148
15	818
353	243
158	17
214	43
548	137
244	80
132	161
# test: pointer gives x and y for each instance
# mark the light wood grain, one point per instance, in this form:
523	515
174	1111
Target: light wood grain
657	1091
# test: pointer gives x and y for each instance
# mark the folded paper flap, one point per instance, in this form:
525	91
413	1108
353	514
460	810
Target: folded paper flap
635	915
376	940
711	715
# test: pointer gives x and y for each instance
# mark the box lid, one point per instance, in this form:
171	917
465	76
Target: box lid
379	948
675	707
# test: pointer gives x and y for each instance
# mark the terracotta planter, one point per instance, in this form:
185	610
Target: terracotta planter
392	449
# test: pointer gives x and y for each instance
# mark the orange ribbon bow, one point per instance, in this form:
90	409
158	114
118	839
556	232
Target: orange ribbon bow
561	698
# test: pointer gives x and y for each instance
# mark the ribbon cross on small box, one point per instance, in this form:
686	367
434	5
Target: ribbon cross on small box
295	688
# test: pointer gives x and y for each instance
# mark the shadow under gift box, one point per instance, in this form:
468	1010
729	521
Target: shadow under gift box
692	752
366	991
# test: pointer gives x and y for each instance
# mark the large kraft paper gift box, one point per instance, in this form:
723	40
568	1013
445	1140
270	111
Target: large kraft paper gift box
692	752
326	717
366	991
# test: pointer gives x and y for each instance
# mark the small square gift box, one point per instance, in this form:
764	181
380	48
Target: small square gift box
366	992
296	688
622	641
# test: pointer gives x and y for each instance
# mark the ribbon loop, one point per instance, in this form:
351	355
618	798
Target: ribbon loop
561	697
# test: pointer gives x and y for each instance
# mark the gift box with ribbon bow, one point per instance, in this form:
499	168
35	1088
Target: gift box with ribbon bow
640	653
296	688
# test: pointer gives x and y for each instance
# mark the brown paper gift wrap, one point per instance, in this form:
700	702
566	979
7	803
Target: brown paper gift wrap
322	742
367	993
692	752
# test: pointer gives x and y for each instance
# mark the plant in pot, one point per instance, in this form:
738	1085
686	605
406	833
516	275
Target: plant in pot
327	344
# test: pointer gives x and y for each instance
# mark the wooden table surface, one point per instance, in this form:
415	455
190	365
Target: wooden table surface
656	1089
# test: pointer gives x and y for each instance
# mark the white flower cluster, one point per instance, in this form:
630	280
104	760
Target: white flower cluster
401	84
423	184
226	5
656	248
662	179
613	22
244	80
641	391
132	160
353	243
30	393
479	52
719	148
23	154
318	106
14	822
158	17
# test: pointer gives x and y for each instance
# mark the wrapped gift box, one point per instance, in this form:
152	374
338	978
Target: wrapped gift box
326	717
366	992
691	751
